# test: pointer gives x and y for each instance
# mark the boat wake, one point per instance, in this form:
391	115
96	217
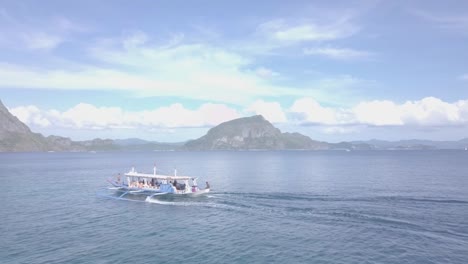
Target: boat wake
323	209
173	203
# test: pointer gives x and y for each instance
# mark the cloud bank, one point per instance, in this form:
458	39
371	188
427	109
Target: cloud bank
427	112
87	116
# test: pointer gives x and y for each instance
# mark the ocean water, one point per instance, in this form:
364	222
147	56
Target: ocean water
266	207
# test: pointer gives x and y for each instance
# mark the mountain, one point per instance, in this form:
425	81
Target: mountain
251	133
351	146
131	142
248	133
136	144
16	136
414	144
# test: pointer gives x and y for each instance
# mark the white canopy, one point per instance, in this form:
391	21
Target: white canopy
157	176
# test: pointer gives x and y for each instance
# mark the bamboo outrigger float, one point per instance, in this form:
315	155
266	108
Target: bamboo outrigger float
134	182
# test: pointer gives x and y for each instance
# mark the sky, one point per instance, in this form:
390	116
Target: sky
170	70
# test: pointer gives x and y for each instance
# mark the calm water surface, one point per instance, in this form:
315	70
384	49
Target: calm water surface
266	207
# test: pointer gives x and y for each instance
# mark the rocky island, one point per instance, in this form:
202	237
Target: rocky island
251	133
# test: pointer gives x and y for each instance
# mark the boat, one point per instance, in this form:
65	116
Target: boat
154	184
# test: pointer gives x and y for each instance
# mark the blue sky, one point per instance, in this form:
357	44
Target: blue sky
169	70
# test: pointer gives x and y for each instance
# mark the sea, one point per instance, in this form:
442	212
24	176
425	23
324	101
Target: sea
265	207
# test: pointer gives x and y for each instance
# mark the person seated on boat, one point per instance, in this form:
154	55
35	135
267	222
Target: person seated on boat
175	183
207	185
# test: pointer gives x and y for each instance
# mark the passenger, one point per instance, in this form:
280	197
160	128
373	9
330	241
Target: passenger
175	183
207	185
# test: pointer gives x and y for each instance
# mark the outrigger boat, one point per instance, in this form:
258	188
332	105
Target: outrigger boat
134	182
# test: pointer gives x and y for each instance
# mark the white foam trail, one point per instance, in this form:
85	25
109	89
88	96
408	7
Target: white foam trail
156	201
161	202
211	205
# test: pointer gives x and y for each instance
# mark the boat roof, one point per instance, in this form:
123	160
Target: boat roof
158	176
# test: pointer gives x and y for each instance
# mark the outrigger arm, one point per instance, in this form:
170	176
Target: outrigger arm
151	196
123	194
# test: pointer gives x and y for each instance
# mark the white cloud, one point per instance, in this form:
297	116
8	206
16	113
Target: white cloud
27	33
30	115
284	31
87	116
135	40
41	41
453	22
272	111
135	64
427	112
145	66
431	111
196	71
338	53
265	72
64	25
309	111
181	71
378	113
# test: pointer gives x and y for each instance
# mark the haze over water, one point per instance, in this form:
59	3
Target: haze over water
266	207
